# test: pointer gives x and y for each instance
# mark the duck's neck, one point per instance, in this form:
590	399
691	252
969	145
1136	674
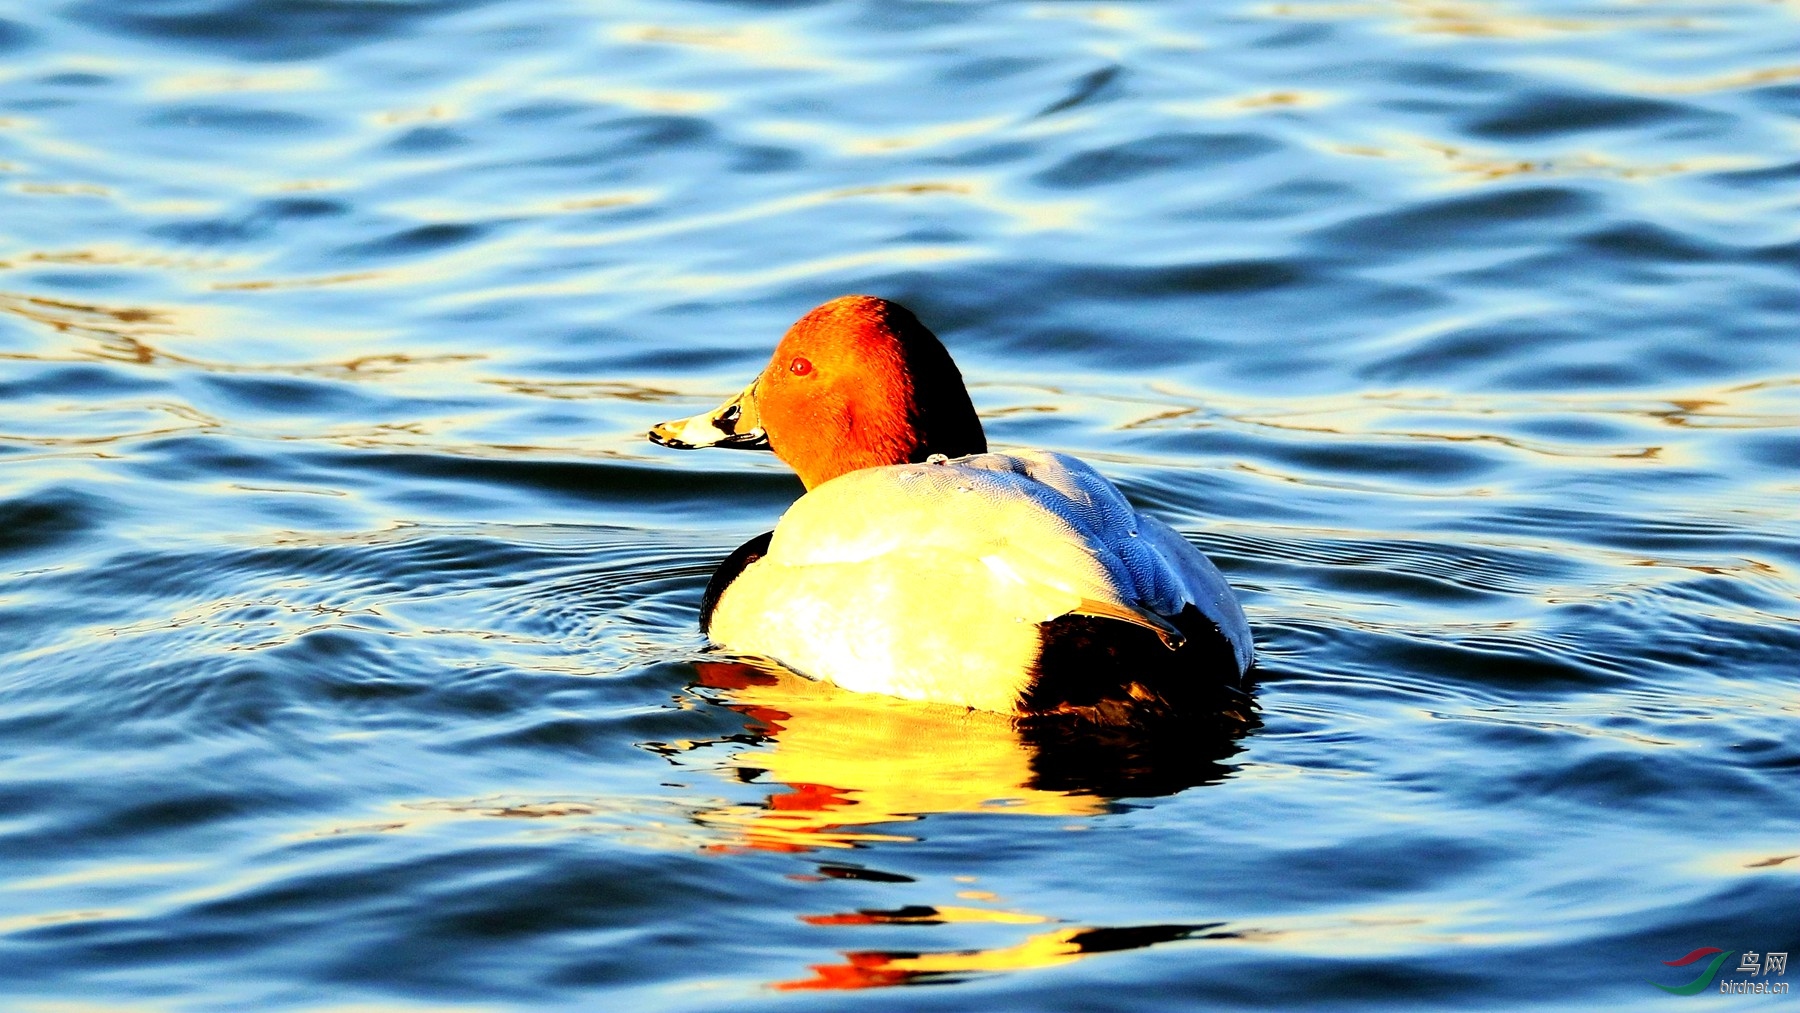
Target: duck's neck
880	432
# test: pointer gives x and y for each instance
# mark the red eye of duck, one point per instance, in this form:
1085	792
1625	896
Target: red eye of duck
800	366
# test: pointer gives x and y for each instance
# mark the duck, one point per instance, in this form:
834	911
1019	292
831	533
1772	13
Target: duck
920	564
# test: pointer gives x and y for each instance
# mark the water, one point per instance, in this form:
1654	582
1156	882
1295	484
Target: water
349	640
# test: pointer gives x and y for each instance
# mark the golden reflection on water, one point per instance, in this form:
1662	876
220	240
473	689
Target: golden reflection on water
926	136
847	761
654	100
101	873
1471	18
1381	931
63	189
320	281
22	923
1775	861
136	334
587	390
881	969
115	255
1111	15
640	279
699	283
1135	24
298	78
1251	103
1423	416
982	194
120	333
306	185
1608	78
1765	404
932	915
1465	165
420	114
760	45
538	80
623	198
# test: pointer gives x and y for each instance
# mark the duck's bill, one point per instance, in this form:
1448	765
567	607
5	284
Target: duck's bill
733	424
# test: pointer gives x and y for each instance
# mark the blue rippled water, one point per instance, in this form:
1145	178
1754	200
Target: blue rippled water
348	655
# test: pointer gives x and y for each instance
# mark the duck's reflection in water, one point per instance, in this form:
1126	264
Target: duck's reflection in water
848	770
880	968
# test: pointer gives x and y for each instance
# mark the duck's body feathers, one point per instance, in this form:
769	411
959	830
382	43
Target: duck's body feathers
936	581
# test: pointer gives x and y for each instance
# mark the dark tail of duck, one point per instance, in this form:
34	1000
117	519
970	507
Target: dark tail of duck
1101	671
